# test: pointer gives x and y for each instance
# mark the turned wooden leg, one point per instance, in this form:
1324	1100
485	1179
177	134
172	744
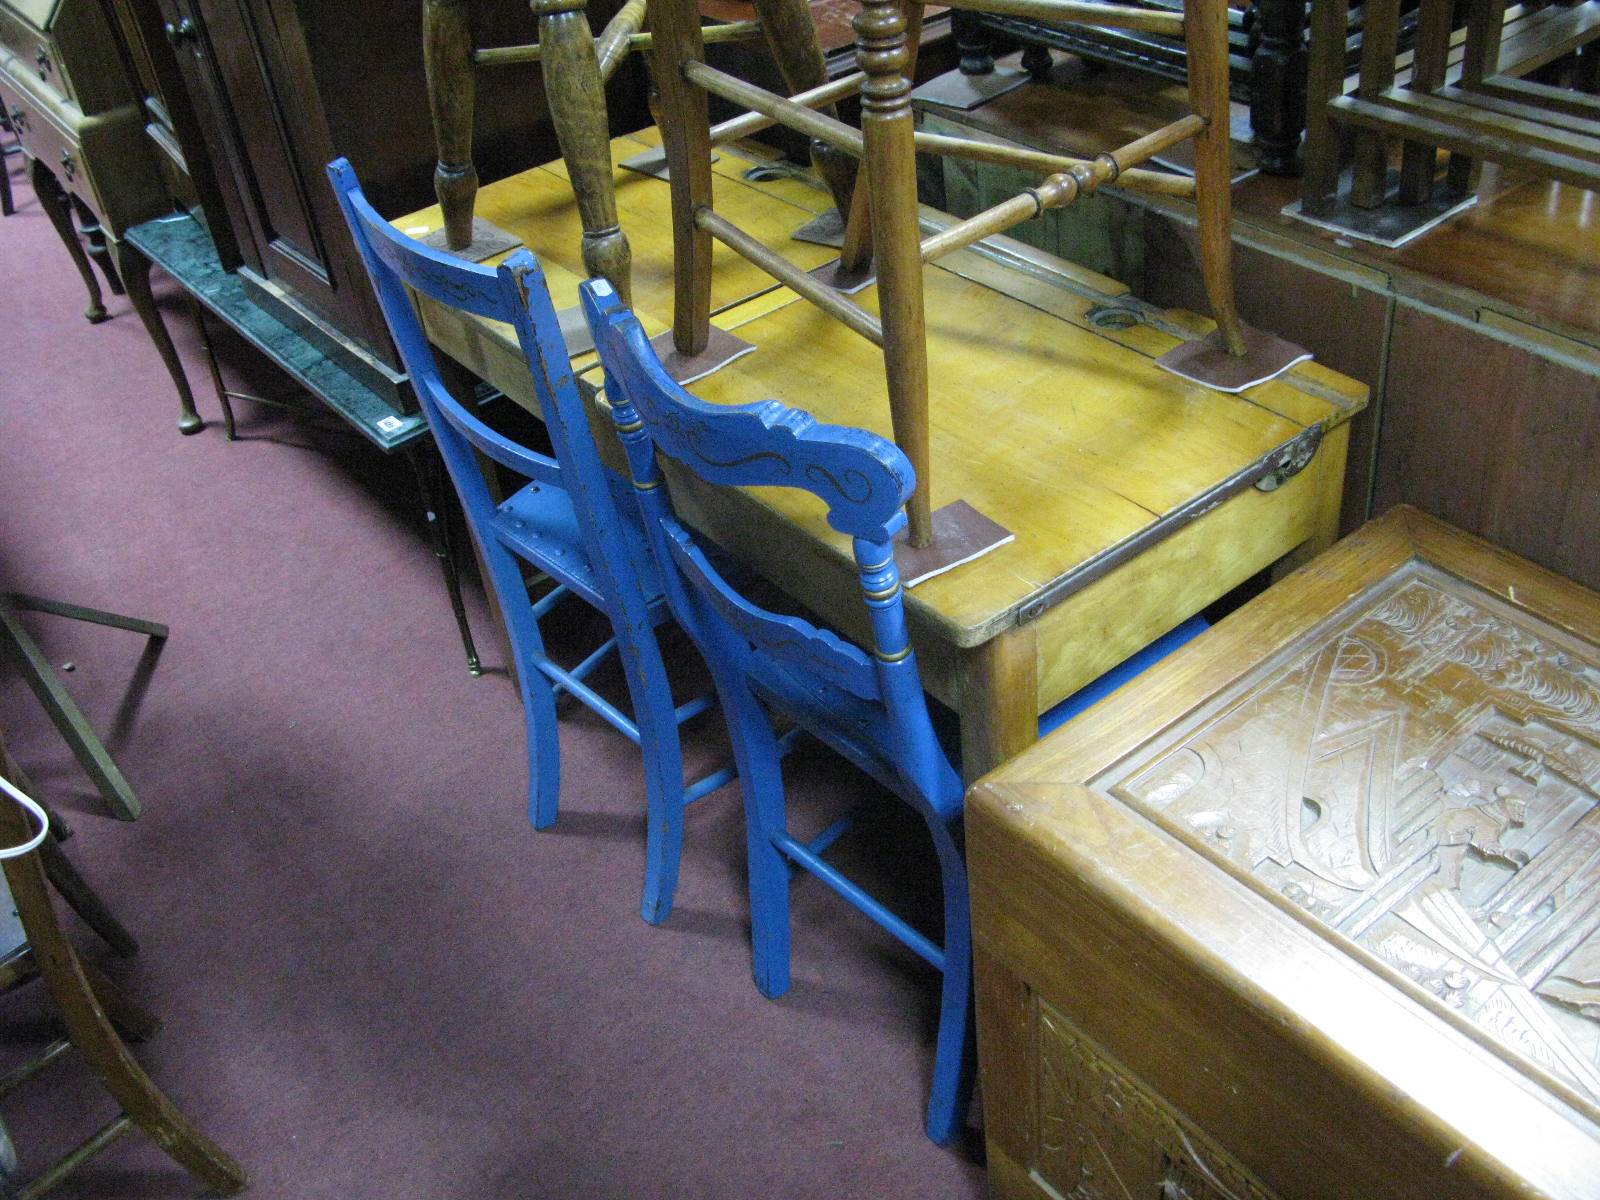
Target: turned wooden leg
135	269
53	199
577	100
447	56
685	136
791	34
1206	35
891	169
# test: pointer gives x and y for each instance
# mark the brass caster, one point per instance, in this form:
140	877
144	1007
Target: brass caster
190	423
95	314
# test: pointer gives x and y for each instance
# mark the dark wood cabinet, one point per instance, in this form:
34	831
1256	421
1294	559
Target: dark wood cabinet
281	87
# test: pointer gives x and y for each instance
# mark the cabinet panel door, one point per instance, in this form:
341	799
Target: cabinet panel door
245	64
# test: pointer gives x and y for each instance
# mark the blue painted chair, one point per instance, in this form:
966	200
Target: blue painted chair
566	522
867	704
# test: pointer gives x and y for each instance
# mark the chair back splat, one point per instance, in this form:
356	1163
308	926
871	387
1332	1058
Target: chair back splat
867	703
566	522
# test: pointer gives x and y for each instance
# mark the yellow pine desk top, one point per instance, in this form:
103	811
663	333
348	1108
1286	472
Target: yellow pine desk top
1112	473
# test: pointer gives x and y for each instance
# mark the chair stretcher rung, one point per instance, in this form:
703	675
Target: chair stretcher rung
690	709
781	109
832	301
549	600
566	681
885	919
708	785
70	1162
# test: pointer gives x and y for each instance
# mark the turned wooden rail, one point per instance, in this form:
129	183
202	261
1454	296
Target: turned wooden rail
882	221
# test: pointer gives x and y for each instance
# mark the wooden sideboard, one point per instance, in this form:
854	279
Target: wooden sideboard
74	100
1309	911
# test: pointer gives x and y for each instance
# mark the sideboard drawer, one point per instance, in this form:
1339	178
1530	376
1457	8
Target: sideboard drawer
67	48
102	158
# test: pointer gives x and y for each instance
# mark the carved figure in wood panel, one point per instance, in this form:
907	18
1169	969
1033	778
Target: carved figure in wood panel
1424	778
1103	1134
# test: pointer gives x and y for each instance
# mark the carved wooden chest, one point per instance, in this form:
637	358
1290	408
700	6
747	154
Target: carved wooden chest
1312	910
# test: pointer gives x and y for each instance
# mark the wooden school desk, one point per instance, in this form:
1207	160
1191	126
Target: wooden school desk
1136	498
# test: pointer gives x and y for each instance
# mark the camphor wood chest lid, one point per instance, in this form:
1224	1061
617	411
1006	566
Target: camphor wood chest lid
1367	808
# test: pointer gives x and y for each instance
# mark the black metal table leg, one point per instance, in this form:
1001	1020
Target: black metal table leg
436	496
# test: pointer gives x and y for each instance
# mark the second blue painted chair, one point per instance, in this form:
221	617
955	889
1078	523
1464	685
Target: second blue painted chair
566	522
867	704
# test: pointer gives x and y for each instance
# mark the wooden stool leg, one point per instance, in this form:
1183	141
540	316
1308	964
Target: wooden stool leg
135	270
67	717
577	99
891	170
1205	29
59	209
791	35
447	57
685	136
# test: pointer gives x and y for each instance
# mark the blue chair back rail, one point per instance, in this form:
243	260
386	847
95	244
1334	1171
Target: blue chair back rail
866	702
566	522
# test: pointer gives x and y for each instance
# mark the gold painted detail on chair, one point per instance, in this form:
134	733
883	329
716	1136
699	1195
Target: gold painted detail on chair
1102	1134
1424	779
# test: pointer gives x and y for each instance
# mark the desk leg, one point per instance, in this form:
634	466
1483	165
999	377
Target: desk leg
999	700
58	208
134	268
436	496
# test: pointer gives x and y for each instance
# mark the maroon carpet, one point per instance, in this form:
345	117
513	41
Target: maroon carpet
377	981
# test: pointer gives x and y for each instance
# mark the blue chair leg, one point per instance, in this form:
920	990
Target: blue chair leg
538	698
760	763
954	1057
656	717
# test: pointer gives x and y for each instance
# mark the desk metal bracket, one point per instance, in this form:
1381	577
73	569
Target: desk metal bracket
1266	474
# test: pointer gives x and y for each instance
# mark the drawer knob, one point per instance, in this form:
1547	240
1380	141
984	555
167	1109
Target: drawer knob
18	118
42	59
67	164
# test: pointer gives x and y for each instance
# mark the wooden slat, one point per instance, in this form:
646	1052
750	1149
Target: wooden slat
1552	101
1444	130
1526	109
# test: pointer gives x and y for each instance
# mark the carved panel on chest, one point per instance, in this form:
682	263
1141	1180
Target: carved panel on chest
1103	1134
1426	782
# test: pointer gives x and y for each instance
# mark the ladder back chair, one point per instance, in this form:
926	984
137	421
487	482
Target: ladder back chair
576	66
867	704
883	233
566	522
